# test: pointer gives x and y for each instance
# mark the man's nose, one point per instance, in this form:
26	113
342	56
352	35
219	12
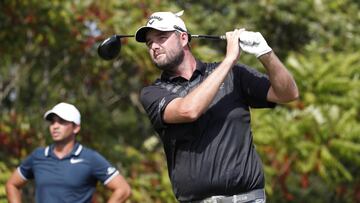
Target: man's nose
154	46
55	124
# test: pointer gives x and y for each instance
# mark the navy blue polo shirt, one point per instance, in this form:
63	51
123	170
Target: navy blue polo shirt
67	180
215	154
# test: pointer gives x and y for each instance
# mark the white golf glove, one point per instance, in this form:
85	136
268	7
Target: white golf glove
254	43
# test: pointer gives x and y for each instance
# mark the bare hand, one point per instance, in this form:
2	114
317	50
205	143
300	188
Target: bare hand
233	50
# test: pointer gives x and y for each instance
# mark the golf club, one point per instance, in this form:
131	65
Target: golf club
110	47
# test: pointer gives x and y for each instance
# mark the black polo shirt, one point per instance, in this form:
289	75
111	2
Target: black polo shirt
214	155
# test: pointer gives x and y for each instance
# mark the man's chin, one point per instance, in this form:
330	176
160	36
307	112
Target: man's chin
56	140
159	62
164	67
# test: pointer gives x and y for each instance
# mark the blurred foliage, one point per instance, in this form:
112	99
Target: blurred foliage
310	147
315	150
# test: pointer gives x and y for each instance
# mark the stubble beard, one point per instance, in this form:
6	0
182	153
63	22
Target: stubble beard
171	62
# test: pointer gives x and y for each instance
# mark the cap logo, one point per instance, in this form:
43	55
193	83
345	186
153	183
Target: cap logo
151	21
156	17
153	18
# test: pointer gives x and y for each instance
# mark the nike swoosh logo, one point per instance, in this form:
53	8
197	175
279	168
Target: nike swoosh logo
75	161
111	170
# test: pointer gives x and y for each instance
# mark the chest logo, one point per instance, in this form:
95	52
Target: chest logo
75	161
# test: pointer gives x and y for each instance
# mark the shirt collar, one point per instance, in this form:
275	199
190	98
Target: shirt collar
74	152
200	68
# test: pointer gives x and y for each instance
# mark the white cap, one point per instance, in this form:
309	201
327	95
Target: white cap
162	21
65	111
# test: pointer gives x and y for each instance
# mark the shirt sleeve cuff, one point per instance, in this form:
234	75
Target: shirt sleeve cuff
21	174
111	177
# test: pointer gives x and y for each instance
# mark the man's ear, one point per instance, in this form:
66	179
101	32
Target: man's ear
184	38
76	129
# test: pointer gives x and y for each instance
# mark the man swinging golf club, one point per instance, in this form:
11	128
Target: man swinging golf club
201	111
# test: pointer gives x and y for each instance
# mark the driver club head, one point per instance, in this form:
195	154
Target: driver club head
110	48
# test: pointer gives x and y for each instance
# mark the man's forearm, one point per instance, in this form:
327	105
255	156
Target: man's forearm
191	107
202	96
13	194
119	196
282	83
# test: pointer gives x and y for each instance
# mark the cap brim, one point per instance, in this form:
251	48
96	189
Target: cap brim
140	34
47	115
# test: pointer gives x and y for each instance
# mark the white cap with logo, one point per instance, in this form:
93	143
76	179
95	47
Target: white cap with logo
162	21
65	111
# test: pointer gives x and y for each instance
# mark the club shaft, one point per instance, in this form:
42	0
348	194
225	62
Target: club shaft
213	37
122	36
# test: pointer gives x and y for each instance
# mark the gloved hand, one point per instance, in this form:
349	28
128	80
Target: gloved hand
254	43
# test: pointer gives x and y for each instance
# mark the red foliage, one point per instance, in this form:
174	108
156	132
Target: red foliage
357	193
90	41
29	19
304	181
341	190
94	10
284	169
13	141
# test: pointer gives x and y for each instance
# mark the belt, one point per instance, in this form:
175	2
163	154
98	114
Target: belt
239	198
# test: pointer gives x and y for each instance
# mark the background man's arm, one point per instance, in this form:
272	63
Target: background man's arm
13	187
121	190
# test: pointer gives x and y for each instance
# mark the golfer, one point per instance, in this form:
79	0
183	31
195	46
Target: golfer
66	171
201	111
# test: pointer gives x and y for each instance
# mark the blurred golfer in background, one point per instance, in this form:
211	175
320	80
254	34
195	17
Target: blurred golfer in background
66	171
